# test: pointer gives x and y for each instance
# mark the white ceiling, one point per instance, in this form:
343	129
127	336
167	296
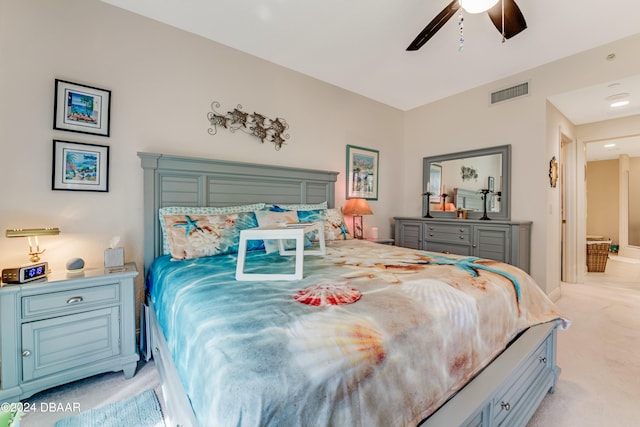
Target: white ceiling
359	45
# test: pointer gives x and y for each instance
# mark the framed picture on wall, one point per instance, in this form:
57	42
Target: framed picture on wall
80	108
80	167
362	173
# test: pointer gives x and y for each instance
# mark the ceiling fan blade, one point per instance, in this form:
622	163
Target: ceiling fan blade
432	28
514	21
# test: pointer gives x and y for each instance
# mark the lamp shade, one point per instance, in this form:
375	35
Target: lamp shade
477	6
357	207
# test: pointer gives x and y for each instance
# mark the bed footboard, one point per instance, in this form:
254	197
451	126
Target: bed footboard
510	389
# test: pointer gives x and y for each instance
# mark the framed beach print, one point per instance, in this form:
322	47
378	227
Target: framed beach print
80	167
362	173
80	108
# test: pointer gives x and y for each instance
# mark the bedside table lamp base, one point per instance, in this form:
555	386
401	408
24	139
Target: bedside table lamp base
357	208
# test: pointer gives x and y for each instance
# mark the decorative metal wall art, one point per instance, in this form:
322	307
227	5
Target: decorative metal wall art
254	124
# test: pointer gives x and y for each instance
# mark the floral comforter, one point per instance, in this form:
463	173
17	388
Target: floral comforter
373	335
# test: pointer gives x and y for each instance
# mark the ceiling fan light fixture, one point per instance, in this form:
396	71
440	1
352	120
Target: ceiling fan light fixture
477	6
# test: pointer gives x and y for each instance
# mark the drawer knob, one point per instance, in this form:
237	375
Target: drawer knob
462	230
461	237
543	359
430	234
74	300
505	405
26	353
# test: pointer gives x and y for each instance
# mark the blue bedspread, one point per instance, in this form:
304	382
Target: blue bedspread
372	336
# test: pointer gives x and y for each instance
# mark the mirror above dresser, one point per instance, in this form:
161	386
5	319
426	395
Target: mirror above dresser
465	178
462	176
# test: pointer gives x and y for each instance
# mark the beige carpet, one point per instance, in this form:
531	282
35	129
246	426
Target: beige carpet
599	355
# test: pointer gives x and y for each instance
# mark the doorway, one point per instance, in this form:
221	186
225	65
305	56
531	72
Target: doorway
574	204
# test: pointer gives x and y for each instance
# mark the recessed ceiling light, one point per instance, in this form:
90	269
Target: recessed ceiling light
609	145
618	104
618	100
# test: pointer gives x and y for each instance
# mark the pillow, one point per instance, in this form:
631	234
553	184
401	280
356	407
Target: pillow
199	210
298	207
196	236
334	226
266	218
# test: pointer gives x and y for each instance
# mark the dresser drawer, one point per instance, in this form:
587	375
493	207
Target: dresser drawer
448	248
509	401
69	301
450	233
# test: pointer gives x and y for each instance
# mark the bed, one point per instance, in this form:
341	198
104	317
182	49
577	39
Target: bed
371	336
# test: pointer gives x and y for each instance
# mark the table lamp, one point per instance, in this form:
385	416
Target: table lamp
357	208
34	252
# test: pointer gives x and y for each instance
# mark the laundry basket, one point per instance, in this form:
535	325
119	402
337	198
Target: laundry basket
597	254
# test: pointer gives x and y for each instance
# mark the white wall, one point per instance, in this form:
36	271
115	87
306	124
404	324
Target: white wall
163	81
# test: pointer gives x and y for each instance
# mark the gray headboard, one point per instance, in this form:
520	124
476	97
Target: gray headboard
187	181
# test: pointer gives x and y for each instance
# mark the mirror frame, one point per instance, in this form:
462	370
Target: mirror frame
505	207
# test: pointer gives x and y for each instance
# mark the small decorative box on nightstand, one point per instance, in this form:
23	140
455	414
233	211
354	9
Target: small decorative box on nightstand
67	327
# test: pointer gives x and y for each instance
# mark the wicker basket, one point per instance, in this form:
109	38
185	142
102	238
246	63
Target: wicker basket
597	254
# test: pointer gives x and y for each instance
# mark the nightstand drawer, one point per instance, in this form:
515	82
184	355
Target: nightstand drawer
67	301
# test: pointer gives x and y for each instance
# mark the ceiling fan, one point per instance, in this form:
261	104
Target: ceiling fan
505	15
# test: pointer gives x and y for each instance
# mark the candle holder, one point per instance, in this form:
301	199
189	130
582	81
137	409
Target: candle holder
428	194
485	192
444	201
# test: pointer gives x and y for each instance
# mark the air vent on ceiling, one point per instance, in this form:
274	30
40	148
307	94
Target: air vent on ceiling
512	92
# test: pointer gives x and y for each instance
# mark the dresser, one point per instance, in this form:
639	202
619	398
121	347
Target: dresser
67	327
504	241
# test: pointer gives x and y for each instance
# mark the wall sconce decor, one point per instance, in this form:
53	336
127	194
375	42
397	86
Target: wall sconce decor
34	246
357	208
254	124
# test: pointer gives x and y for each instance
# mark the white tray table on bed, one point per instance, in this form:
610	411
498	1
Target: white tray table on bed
280	233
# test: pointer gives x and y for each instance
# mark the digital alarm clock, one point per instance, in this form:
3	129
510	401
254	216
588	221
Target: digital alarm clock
26	273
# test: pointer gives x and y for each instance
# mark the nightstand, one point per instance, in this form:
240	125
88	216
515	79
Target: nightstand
66	327
381	241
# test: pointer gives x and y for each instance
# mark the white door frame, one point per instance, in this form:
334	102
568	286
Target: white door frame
573	163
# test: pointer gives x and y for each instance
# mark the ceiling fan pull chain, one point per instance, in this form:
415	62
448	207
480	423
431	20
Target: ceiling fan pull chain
461	26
